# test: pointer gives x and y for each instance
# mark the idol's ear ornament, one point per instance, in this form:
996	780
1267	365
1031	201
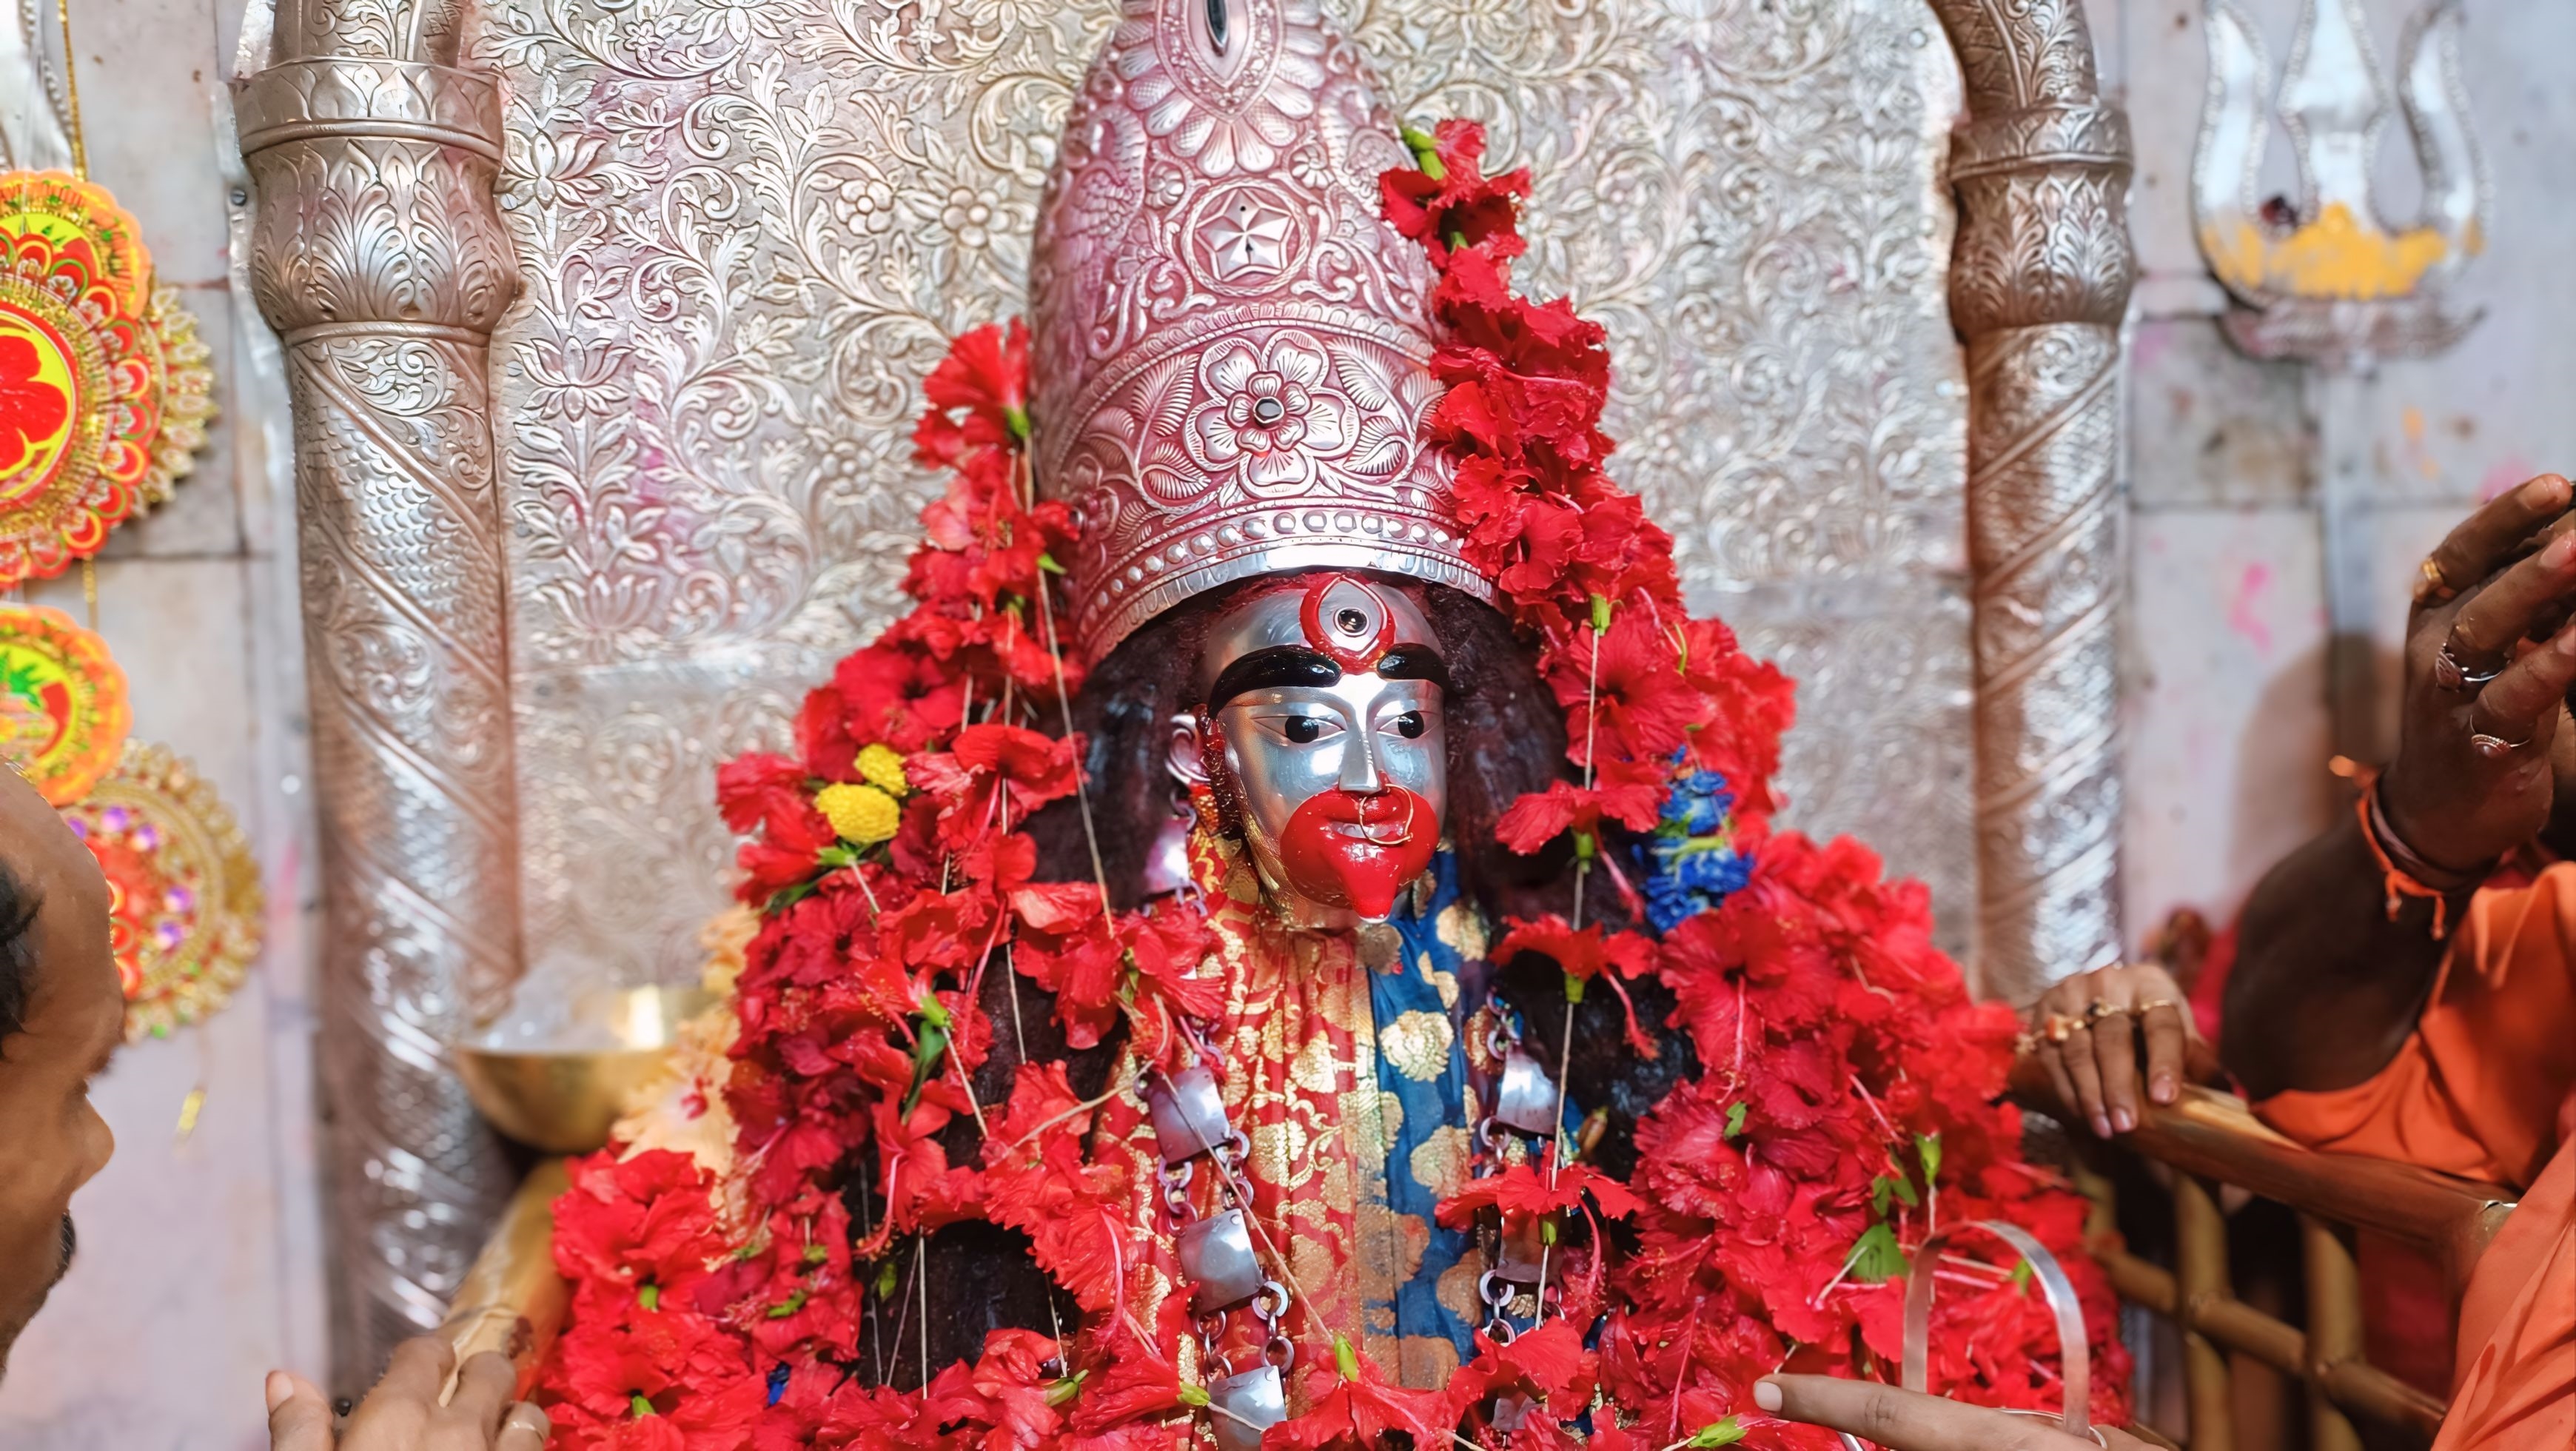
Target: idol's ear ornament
1207	738
1187	760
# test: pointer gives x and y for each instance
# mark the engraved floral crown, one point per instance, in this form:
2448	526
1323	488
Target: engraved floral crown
1231	348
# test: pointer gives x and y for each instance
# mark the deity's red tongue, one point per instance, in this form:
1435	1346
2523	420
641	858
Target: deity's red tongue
1343	849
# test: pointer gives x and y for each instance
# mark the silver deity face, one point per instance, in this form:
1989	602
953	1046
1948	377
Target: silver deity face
1323	722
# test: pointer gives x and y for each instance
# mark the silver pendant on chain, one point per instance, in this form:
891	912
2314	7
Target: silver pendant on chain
1241	1407
1188	1112
1525	1100
1217	1259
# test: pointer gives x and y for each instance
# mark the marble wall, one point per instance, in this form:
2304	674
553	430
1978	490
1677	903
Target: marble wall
202	1258
2279	511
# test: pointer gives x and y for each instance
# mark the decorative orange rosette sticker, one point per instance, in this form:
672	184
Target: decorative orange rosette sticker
185	909
63	713
96	366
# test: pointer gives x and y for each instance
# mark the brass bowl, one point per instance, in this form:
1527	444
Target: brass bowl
564	1099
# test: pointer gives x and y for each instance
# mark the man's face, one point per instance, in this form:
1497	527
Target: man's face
1324	708
51	1140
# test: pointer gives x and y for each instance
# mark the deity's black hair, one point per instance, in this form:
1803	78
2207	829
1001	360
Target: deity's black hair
19	904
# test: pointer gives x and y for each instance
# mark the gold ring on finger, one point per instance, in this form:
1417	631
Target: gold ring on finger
2453	676
2059	1027
2430	585
2152	1004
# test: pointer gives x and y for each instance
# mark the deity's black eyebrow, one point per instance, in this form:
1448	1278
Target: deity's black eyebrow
1271	668
1414	662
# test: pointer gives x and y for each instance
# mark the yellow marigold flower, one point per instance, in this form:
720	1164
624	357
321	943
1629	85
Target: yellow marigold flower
882	765
861	814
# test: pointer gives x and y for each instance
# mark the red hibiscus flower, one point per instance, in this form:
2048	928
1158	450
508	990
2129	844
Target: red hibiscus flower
994	776
1524	1191
1628	792
904	698
1455	204
1586	953
986	374
1351	1407
640	1226
1634	695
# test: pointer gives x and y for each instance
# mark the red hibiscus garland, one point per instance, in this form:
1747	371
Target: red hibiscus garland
1850	1100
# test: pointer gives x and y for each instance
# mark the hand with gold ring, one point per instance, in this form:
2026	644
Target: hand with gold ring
2087	1031
405	1413
2490	656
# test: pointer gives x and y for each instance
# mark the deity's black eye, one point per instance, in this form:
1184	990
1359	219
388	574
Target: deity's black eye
1303	730
1351	621
1409	725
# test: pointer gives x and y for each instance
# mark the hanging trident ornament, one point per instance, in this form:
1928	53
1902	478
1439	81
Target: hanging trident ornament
2322	277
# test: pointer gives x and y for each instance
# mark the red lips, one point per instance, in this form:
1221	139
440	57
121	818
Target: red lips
1344	849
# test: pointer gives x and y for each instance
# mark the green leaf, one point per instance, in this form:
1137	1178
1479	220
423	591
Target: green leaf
815	1254
1876	1256
1719	1433
1193	1395
1426	152
1734	1121
794	1302
640	1406
1047	563
1927	1147
1601	614
885	1281
1060	1393
2021	1277
649	1296
1018	419
786	897
1573	991
837	856
1345	1359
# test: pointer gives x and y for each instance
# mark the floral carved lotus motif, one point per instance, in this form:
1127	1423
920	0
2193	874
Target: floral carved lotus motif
1268	419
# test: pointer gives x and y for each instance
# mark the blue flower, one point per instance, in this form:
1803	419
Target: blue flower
1690	865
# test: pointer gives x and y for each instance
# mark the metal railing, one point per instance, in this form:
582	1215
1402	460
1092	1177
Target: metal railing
2210	1140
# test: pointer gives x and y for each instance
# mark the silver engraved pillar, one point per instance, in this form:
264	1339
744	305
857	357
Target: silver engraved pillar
2038	285
377	255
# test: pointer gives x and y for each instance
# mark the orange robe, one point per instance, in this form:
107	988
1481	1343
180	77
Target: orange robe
2483	1089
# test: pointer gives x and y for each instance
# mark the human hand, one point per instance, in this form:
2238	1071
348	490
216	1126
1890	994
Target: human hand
403	1414
1912	1421
2086	1030
2472	778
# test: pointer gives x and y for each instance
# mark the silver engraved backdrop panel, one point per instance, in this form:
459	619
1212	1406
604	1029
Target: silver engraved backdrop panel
745	231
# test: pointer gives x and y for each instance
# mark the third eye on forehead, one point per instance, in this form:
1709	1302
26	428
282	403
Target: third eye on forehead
1284	666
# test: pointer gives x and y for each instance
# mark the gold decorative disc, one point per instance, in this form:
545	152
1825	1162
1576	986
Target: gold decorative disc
104	388
187	396
63	712
185	905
